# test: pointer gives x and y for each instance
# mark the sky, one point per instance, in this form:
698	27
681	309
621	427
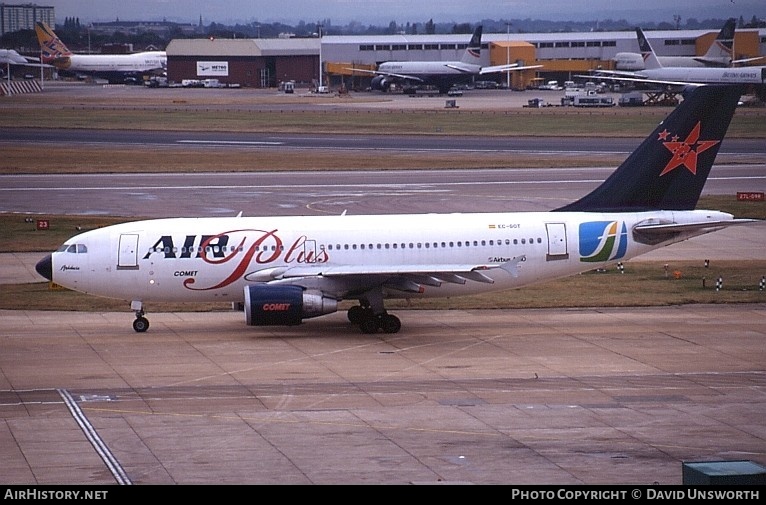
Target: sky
382	12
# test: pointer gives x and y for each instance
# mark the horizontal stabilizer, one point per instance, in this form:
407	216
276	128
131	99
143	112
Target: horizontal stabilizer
663	228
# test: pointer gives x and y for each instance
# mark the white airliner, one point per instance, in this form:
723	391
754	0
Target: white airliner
680	77
287	269
114	67
719	54
10	57
442	74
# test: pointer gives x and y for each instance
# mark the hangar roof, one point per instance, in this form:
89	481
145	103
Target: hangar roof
242	47
527	37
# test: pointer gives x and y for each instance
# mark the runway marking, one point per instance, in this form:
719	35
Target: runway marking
232	142
92	435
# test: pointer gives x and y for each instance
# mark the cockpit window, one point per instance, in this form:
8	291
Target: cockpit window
73	248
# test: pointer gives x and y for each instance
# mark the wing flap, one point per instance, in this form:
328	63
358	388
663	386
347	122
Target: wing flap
340	280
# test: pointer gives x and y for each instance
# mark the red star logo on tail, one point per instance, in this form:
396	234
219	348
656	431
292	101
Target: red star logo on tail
685	152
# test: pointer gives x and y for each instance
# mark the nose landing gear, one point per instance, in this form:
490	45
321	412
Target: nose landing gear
140	323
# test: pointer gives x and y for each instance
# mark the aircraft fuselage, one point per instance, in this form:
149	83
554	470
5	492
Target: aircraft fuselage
213	259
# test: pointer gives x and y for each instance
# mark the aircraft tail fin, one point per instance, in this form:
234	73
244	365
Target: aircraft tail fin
650	57
669	169
51	46
472	53
722	45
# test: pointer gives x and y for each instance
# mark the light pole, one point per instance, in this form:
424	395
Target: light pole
508	55
319	29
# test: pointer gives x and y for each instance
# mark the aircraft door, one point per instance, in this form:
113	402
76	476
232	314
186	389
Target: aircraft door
557	241
127	256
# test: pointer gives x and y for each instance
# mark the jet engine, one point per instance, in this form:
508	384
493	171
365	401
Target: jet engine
284	305
380	82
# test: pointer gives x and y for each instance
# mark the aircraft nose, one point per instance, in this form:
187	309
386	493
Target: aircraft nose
44	267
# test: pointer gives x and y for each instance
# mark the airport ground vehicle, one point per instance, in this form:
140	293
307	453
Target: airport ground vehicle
589	100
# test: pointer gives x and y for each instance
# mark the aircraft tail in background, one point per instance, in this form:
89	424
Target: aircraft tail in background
720	51
647	53
472	54
51	47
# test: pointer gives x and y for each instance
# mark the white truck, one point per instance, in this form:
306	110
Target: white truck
551	85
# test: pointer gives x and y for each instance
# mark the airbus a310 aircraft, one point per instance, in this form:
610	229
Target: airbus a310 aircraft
287	269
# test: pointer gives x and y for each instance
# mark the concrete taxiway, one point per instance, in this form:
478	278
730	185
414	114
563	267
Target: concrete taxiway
579	396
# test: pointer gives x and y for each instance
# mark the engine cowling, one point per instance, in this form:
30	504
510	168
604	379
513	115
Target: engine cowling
284	305
380	82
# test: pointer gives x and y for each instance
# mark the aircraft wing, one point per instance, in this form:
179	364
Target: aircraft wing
35	65
409	278
489	70
9	57
460	68
504	68
747	60
637	78
388	74
616	73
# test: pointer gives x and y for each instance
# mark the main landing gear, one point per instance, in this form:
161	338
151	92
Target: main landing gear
371	316
369	322
140	323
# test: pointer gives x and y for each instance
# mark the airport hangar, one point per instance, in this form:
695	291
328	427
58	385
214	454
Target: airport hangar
265	63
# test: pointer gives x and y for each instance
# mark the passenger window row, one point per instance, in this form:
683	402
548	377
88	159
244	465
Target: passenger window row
435	245
346	247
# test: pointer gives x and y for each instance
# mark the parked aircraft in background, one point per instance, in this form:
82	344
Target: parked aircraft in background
678	78
283	270
718	55
114	67
10	57
441	74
